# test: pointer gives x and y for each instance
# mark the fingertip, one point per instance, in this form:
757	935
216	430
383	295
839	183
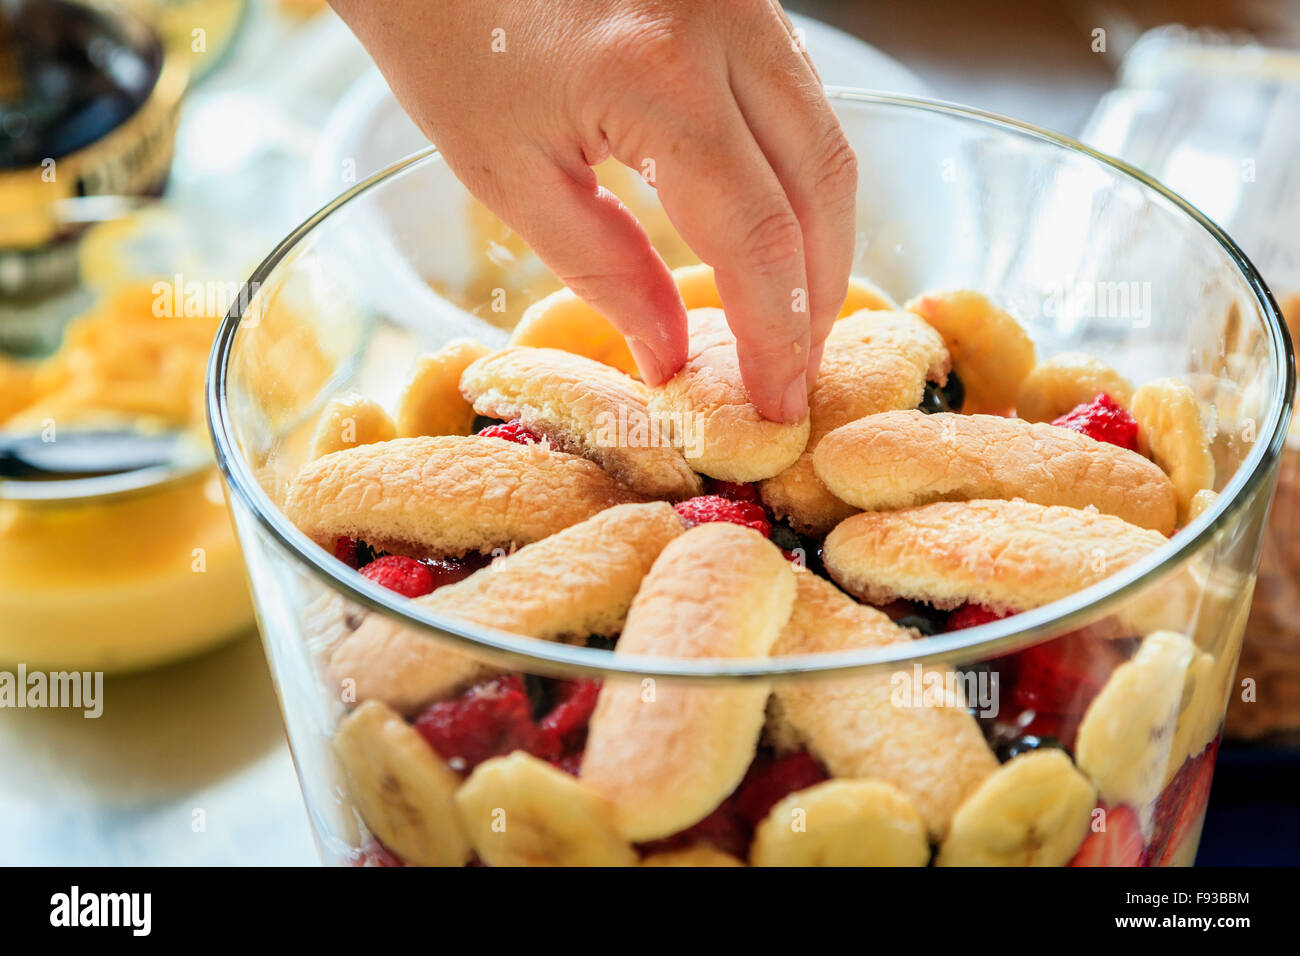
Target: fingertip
794	401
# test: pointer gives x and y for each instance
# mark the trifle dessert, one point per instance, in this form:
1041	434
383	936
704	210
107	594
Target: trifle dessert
945	477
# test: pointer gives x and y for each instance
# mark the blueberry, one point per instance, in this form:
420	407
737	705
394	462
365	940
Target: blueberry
1024	744
481	422
926	626
943	398
601	642
785	538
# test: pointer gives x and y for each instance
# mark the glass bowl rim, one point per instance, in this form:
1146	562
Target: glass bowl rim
986	640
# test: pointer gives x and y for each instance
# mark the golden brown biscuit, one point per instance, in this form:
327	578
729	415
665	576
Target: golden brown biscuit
349	422
1065	381
447	495
584	408
431	403
665	753
906	458
1007	555
933	751
873	362
577	582
721	433
990	351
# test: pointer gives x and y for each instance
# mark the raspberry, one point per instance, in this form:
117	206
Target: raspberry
345	549
490	719
731	490
1103	420
1057	681
972	615
514	430
564	729
771	780
446	571
401	574
707	508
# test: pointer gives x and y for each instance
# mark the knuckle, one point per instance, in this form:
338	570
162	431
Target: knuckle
772	240
837	167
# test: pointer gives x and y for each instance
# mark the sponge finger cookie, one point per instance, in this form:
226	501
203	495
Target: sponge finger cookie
1007	555
873	362
904	458
585	408
990	351
447	495
720	431
666	754
578	582
931	750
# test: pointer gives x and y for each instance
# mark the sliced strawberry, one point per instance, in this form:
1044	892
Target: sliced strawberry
1180	807
401	574
1119	842
374	853
345	549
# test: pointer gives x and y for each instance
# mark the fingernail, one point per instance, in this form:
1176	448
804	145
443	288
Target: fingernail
648	363
794	403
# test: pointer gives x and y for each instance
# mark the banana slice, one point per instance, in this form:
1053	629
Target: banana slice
1034	811
1172	434
990	351
842	823
1201	502
697	286
349	422
1065	381
699	855
865	294
521	811
431	402
401	787
1199	696
1126	739
563	321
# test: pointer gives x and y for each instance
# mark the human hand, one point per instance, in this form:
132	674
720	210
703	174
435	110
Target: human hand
523	97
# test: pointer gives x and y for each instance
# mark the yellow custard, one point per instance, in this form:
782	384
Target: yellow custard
132	578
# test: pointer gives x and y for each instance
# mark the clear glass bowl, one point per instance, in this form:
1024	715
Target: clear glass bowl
1090	254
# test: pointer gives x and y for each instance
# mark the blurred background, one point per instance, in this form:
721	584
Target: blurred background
153	151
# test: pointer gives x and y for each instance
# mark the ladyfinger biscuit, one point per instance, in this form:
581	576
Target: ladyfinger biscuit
990	351
577	582
873	362
665	754
721	433
431	403
447	495
585	408
930	749
1006	555
905	458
